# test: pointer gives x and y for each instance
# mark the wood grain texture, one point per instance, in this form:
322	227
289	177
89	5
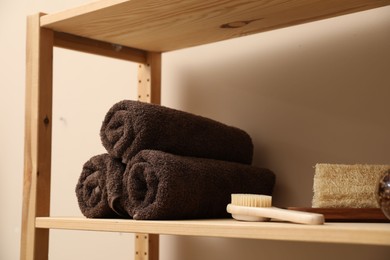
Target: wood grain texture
37	152
146	247
352	233
149	90
165	25
149	79
77	43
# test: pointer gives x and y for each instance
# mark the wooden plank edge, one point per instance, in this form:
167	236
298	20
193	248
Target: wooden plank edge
46	21
342	233
78	43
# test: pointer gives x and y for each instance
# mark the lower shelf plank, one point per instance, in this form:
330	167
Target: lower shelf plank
352	233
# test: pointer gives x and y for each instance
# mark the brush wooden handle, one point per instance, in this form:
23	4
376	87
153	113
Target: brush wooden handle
242	213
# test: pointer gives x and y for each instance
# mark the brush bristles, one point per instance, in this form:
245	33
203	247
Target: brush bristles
251	200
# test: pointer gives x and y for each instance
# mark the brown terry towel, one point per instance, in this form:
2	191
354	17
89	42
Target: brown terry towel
160	185
100	186
132	126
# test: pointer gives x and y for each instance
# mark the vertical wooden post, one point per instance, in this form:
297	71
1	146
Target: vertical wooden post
146	247
149	90
37	151
149	79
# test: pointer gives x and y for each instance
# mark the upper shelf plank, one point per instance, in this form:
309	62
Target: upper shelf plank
352	233
166	25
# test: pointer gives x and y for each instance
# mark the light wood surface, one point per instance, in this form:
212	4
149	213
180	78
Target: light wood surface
77	43
146	246
38	125
149	79
164	25
354	233
149	90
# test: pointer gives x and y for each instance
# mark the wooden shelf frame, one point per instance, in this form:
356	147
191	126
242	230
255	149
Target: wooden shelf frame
163	25
139	31
38	126
350	233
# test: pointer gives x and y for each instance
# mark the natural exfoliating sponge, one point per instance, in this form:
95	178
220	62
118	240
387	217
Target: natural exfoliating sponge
346	186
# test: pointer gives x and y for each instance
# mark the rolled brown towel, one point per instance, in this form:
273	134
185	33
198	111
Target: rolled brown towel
160	185
100	186
132	126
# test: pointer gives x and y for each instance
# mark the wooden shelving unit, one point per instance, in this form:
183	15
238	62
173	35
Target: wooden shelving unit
140	31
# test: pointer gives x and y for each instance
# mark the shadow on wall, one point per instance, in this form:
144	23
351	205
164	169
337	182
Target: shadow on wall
305	96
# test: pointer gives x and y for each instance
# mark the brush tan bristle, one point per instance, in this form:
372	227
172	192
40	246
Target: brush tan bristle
252	200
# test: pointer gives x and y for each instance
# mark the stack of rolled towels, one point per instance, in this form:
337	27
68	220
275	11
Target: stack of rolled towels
163	163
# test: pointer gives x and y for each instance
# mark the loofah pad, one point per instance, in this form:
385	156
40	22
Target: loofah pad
346	186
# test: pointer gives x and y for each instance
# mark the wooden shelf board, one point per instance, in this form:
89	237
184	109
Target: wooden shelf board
352	233
163	25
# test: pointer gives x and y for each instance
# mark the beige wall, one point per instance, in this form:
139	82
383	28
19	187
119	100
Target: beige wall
318	92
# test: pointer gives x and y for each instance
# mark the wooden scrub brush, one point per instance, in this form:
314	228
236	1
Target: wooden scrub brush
254	207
